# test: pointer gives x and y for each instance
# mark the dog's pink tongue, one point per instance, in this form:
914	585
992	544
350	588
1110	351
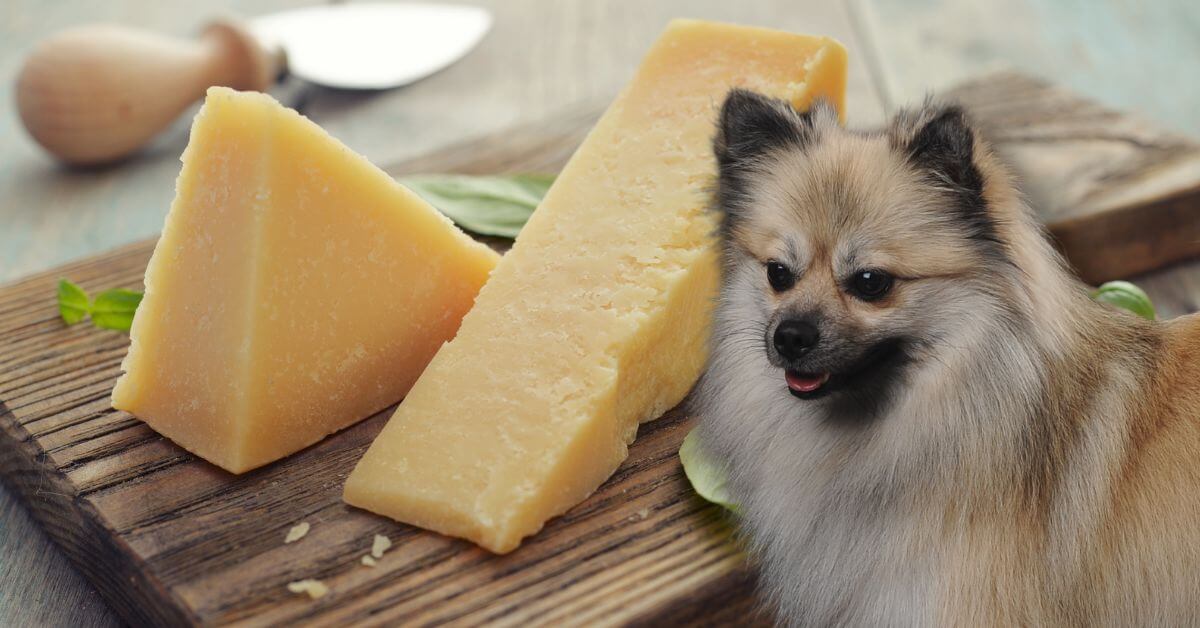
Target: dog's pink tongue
805	383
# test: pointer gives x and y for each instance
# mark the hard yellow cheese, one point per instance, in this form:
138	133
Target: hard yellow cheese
295	289
598	317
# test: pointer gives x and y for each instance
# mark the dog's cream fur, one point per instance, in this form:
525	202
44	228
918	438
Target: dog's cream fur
1036	460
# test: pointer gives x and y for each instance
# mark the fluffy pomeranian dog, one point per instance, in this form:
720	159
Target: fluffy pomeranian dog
924	418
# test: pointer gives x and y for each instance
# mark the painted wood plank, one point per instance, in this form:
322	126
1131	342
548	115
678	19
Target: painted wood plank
1133	56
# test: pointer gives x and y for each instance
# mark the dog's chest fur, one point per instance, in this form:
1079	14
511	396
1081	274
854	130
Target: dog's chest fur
841	540
834	552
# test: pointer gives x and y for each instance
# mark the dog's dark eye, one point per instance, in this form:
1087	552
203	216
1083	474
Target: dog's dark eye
780	277
869	285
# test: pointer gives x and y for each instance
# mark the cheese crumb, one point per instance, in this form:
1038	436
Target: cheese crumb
297	532
380	546
314	588
368	561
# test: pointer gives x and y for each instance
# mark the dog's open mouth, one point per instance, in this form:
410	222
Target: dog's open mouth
874	365
805	383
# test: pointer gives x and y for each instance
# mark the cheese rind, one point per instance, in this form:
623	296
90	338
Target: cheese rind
295	289
598	317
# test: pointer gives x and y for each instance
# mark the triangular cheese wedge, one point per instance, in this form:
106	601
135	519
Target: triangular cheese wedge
296	289
598	318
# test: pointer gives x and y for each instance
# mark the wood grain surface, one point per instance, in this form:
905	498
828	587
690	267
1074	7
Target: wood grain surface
168	538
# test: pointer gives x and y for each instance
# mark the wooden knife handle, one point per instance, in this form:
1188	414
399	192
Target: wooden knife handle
95	94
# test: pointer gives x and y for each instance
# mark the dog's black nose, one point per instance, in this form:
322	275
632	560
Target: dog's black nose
795	338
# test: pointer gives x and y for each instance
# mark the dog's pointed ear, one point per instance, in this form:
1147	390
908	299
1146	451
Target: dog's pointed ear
944	145
940	141
750	125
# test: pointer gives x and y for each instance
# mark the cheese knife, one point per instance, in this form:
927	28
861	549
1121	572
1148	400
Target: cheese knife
94	94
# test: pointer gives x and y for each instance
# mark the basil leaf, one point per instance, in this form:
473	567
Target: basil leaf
1126	296
488	205
114	309
707	477
73	302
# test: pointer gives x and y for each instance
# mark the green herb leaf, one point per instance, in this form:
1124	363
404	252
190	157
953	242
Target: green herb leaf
1126	296
114	309
73	302
488	205
706	476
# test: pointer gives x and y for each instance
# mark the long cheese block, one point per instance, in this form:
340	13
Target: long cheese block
598	317
295	289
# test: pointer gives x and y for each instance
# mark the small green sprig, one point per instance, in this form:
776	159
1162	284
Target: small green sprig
111	309
494	205
1126	296
73	302
706	477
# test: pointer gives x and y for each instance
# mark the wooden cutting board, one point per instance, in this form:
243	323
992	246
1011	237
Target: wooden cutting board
170	539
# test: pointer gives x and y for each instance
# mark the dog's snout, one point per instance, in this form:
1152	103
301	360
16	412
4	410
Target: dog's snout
794	338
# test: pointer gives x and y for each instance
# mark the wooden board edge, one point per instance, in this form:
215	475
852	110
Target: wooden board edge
49	498
1122	232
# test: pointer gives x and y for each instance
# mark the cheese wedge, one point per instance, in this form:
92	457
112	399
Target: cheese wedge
295	289
598	318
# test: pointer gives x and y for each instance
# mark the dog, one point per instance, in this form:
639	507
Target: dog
924	418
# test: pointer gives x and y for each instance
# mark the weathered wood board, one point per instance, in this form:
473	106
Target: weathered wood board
169	539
